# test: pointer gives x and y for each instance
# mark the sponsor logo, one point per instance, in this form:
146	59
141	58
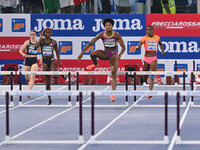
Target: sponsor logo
131	46
1	25
181	67
65	47
175	24
59	24
120	24
10	47
90	49
18	25
77	24
161	67
180	47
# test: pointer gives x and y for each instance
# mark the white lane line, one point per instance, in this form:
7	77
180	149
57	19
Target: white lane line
108	125
29	101
31	128
181	123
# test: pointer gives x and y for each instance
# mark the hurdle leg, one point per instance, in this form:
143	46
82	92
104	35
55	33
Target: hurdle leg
69	88
7	138
192	88
81	139
92	138
126	77
77	88
134	85
178	139
20	88
176	79
184	104
166	138
11	88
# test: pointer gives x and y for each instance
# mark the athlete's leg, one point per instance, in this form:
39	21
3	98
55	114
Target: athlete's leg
47	80
94	55
146	67
153	67
34	67
97	54
27	68
114	67
54	68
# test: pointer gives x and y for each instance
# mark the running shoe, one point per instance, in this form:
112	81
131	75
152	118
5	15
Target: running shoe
149	96
91	67
50	101
112	98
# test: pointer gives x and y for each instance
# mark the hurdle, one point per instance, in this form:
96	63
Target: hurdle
69	104
11	88
10	140
102	73
93	136
158	106
178	136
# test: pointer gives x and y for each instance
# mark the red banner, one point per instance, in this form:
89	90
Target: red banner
76	65
174	24
10	46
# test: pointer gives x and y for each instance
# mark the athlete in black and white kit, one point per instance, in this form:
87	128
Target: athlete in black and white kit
48	46
30	54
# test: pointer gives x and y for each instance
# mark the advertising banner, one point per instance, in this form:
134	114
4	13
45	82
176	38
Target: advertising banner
175	24
180	48
10	46
88	25
15	25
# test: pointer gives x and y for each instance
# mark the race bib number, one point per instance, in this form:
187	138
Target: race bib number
152	45
31	50
110	43
47	50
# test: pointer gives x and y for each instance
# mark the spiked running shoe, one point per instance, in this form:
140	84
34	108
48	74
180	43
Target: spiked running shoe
112	98
149	96
91	67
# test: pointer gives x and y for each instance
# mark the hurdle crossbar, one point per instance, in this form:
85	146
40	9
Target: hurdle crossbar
99	72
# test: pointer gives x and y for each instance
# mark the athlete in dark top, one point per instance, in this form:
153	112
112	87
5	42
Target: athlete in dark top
27	50
48	46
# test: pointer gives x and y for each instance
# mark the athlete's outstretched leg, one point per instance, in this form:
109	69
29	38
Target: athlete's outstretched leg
27	77
47	80
146	67
114	67
34	67
153	67
54	68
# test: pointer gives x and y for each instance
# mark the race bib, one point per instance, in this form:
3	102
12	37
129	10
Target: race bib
109	42
47	50
152	45
31	50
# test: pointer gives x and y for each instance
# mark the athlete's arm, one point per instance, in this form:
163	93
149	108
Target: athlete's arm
21	51
57	52
121	42
37	45
89	44
139	46
161	47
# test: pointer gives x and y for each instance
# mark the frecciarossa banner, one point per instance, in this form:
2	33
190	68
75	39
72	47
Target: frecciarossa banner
175	24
